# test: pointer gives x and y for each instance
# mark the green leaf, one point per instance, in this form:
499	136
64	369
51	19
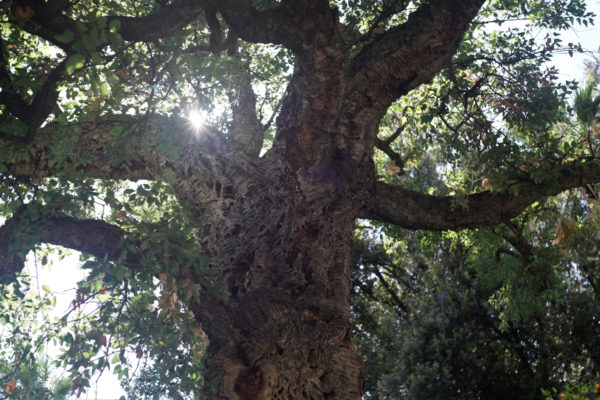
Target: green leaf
81	27
97	58
104	88
101	21
114	25
74	62
66	37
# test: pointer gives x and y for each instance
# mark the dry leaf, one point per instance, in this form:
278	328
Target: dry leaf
485	183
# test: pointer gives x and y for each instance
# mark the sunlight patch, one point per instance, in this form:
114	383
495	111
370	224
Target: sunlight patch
197	118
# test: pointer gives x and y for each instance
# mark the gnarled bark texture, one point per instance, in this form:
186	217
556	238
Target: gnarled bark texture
281	241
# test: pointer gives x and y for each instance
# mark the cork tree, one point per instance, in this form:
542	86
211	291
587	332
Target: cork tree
210	159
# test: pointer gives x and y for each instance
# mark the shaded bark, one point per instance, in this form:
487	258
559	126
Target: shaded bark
32	225
48	20
421	211
283	240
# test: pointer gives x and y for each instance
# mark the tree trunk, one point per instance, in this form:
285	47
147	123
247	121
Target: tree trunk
282	242
278	228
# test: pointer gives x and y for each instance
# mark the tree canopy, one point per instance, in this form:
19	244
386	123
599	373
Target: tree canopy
235	173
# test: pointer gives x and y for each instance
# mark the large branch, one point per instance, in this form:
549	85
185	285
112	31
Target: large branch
415	210
198	164
277	25
32	225
29	227
412	53
247	132
162	23
48	21
398	61
283	24
106	148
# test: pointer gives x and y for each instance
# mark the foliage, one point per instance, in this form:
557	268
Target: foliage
429	327
587	391
117	311
25	372
482	313
35	381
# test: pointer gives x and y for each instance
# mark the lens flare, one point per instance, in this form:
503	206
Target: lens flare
197	118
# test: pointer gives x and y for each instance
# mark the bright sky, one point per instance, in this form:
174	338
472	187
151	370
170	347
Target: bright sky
62	277
589	37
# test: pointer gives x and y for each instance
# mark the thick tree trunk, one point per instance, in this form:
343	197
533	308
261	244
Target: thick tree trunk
282	240
277	228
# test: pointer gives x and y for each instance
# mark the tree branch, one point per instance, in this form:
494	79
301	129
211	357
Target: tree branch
398	61
395	157
34	114
163	23
428	39
216	33
48	21
198	164
247	132
387	11
278	25
115	147
31	225
58	149
415	210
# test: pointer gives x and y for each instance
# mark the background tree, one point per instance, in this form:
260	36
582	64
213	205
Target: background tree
25	371
245	222
487	313
427	328
35	381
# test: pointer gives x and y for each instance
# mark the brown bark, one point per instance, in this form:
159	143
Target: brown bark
32	225
280	240
48	20
283	332
421	211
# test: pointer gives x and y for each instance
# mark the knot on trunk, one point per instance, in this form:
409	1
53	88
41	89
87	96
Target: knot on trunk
249	384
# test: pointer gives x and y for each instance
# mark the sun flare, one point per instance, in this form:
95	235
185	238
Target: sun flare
197	118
